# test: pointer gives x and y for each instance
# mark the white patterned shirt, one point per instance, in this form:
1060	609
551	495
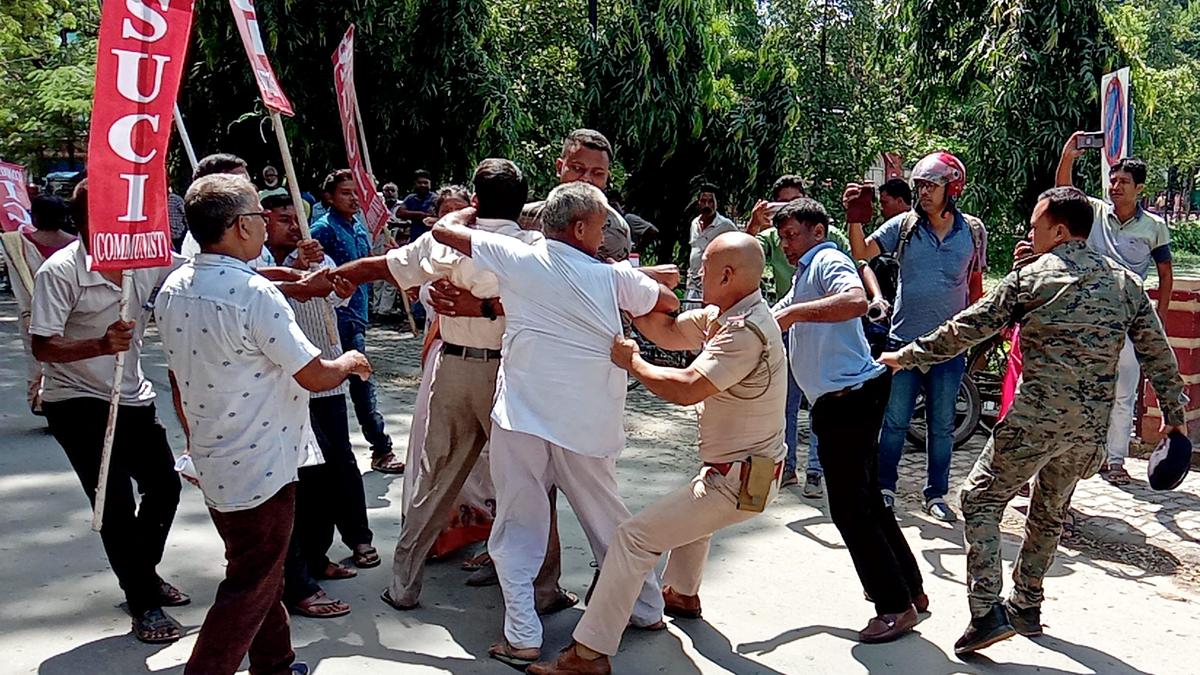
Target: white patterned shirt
234	347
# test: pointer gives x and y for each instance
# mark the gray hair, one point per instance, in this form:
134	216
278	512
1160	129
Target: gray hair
213	202
569	203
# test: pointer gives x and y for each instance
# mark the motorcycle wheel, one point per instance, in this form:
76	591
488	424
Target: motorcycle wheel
968	408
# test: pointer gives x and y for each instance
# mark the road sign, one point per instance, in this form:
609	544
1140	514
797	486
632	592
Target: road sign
1115	121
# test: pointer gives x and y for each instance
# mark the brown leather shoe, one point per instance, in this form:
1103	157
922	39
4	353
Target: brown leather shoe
679	605
888	627
569	662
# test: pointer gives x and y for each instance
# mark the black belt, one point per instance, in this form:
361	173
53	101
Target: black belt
474	353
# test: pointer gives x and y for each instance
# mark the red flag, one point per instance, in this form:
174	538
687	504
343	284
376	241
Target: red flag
343	82
138	67
14	198
247	23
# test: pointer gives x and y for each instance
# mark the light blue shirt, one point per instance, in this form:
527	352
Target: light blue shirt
934	274
827	357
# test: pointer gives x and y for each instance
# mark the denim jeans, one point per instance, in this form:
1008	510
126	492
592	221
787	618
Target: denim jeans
362	393
791	430
940	386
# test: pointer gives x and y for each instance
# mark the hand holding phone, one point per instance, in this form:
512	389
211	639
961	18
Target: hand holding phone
1089	140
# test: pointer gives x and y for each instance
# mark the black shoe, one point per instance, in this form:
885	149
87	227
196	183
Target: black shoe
985	631
1027	622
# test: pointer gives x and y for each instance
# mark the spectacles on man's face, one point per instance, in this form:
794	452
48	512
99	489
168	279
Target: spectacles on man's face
260	214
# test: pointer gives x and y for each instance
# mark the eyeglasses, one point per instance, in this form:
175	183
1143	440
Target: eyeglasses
260	214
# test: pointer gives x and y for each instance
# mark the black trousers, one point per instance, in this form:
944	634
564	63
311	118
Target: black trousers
847	429
331	494
134	536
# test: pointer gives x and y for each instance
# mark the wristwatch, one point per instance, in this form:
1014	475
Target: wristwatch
488	309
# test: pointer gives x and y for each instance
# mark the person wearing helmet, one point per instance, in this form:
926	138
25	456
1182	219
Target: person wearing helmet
941	254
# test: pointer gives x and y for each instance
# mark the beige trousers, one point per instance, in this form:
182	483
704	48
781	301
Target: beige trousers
460	408
679	524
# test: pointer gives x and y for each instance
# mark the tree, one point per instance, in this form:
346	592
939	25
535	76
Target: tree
47	68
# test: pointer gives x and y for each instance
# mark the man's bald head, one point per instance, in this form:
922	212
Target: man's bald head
733	268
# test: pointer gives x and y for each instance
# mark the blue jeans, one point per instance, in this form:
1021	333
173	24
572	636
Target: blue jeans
790	428
940	386
362	393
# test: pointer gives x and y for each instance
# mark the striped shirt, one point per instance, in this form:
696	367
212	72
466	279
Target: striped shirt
315	318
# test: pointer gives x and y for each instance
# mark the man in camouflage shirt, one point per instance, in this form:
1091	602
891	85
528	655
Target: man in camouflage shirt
1075	308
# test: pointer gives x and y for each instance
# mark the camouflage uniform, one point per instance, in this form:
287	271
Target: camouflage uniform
617	242
1075	308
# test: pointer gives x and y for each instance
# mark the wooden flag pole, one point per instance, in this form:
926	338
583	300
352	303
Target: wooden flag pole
187	140
362	144
114	404
289	170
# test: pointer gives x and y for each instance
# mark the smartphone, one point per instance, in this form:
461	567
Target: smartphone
773	208
862	208
1090	140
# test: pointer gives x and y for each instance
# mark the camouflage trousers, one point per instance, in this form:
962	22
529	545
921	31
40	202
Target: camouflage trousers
1009	460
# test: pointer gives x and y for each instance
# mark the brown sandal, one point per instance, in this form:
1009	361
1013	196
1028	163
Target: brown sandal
1117	475
365	556
321	606
517	658
156	628
335	572
170	596
388	463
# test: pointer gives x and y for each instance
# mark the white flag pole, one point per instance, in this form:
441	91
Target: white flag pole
114	403
187	140
289	170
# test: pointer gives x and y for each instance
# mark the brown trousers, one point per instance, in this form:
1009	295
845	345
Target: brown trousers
248	614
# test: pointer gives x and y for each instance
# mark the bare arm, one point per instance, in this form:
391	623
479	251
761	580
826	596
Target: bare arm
1166	283
323	374
60	349
1066	164
452	230
667	302
177	401
365	270
871	282
843	306
663	330
680	386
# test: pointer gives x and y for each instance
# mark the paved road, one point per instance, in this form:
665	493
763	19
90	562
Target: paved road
780	595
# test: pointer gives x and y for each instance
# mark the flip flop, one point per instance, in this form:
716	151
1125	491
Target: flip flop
148	624
306	607
564	600
366	557
388	463
170	596
335	572
507	654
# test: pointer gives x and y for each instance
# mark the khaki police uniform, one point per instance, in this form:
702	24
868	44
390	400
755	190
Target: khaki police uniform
746	418
1075	308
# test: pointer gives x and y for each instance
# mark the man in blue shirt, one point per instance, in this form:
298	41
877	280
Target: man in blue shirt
941	252
418	205
831	361
345	239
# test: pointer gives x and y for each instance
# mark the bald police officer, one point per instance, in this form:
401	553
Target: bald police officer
1075	308
739	386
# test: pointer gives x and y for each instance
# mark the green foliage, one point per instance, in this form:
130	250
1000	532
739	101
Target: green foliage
47	66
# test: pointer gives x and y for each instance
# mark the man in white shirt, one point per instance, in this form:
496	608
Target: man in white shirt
76	331
465	373
239	365
330	493
705	227
560	400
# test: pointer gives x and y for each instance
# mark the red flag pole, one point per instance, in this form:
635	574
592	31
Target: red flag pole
114	404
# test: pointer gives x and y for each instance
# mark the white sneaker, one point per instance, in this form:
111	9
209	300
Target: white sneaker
889	498
938	508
